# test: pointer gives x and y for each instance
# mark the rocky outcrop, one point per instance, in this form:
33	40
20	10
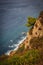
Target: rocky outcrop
36	31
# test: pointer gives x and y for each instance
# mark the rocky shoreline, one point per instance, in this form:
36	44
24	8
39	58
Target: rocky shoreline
36	31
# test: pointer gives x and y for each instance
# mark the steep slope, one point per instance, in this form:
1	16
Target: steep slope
30	52
36	31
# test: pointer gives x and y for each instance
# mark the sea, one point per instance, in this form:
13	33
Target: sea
13	17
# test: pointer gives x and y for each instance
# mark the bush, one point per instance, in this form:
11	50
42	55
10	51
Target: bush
30	21
31	57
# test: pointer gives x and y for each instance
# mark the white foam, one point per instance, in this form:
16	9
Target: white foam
8	52
23	33
11	46
17	45
11	40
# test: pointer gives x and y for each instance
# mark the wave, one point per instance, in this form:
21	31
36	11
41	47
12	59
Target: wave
15	46
8	52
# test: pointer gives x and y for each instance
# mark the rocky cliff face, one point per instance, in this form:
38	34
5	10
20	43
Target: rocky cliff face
36	31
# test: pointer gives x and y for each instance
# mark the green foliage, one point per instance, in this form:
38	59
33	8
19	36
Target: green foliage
30	21
31	57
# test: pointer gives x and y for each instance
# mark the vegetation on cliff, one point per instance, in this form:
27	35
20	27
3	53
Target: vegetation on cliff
33	56
30	57
30	21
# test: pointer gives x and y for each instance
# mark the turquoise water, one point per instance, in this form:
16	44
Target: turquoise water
13	16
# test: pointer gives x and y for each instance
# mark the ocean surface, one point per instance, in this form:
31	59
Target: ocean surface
13	16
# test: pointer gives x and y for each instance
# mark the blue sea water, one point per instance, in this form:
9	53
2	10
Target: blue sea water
13	16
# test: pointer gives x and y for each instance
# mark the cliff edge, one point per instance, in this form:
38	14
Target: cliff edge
30	51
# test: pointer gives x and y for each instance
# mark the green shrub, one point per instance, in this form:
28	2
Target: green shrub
31	57
30	21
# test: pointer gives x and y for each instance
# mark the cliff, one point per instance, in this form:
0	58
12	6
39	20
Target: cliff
36	31
30	52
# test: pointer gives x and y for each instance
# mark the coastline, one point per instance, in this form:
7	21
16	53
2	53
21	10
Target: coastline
20	42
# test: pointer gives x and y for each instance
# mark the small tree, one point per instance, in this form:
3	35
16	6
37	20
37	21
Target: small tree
30	21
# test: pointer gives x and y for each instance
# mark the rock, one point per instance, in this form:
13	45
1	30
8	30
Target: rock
37	30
